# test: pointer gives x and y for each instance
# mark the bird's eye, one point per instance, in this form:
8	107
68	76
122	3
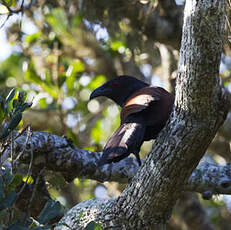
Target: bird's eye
115	83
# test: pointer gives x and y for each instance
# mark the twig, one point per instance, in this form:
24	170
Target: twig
35	188
229	3
11	151
30	165
5	145
228	22
22	12
27	138
5	20
11	11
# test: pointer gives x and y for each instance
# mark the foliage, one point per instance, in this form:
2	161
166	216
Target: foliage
11	112
12	184
58	79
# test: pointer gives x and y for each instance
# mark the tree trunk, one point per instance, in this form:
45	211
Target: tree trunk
200	109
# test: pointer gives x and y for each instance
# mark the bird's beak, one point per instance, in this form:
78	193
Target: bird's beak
100	91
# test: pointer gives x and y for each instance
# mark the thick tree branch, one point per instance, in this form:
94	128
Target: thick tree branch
59	155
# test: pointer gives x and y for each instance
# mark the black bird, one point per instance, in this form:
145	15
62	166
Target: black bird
145	110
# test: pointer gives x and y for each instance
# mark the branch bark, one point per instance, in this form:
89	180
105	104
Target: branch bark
59	155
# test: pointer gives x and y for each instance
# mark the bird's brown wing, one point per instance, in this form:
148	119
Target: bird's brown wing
139	101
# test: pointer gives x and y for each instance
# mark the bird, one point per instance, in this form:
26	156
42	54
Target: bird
145	111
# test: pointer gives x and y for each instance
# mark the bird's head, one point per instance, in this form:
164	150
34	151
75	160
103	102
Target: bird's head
119	89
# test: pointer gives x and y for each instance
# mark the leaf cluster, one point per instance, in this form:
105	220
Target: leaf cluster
11	109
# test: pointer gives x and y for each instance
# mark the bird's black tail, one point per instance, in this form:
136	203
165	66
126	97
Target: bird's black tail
125	140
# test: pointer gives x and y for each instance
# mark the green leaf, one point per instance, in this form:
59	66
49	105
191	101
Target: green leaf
4	133
13	123
2	114
96	133
76	20
58	21
43	103
9	97
31	76
21	96
93	226
11	2
15	103
70	82
25	106
51	89
51	210
97	81
16	181
78	66
33	37
116	45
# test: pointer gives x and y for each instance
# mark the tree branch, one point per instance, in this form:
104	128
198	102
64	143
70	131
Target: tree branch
59	155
